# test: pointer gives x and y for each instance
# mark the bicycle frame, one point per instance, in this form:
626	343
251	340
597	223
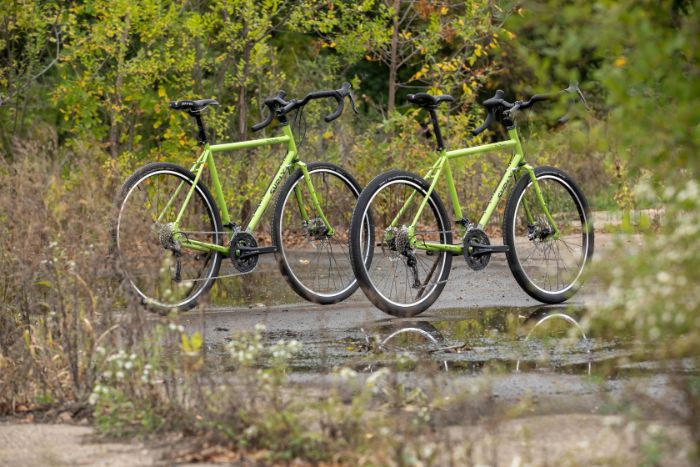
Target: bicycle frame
516	165
206	159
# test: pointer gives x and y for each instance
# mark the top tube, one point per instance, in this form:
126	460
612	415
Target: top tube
250	144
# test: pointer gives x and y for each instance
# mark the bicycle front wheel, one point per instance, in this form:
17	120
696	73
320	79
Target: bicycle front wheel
147	244
315	260
403	277
548	259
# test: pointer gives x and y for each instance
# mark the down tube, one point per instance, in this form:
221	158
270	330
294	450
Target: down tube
512	167
260	210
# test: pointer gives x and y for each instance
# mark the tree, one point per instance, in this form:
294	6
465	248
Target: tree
30	47
121	53
422	44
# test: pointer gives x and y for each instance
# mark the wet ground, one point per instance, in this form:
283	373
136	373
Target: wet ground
542	392
483	324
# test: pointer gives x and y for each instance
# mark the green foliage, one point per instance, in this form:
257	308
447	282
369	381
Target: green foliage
645	57
645	61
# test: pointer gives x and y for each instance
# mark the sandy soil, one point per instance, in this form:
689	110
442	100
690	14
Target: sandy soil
567	439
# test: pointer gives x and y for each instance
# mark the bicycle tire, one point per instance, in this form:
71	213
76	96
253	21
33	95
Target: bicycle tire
533	251
136	243
303	247
372	273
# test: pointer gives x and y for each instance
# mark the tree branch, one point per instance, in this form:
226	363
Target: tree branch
40	73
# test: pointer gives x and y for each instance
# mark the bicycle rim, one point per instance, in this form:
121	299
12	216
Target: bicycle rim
553	266
402	276
160	275
318	265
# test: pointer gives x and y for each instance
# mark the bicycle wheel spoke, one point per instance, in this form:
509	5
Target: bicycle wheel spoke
400	274
309	256
150	251
550	264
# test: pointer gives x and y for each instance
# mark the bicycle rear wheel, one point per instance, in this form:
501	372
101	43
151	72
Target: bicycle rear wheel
146	245
316	264
547	265
400	278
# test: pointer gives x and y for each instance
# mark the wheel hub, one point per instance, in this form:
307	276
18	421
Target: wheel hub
166	235
397	242
316	229
539	232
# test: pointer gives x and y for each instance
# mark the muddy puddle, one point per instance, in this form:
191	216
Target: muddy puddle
540	354
460	340
500	340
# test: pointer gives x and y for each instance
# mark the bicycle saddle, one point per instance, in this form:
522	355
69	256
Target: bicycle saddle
422	99
193	106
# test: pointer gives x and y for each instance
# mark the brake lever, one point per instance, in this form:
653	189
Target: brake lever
573	87
352	103
510	113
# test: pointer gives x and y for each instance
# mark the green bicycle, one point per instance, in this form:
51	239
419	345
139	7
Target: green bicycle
171	233
547	225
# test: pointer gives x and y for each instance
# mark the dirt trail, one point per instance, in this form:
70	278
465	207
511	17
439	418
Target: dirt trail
567	439
35	444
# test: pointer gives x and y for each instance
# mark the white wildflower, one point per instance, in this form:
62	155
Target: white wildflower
347	374
376	377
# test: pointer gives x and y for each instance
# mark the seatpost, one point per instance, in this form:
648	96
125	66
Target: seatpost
436	129
202	136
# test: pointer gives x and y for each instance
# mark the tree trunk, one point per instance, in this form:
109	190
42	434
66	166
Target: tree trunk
115	101
243	122
197	69
393	59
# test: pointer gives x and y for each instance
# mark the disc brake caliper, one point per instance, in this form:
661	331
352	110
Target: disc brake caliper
316	229
538	232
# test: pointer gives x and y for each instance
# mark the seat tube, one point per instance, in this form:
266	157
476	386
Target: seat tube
454	197
218	191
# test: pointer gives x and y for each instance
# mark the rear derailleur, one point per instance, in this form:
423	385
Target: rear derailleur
401	244
166	235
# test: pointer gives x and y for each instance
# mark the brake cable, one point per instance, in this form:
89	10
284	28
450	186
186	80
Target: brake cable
299	122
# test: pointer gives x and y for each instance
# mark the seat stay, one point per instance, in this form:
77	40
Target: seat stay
194	169
440	164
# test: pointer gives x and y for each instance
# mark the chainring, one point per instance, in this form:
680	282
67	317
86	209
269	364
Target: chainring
474	237
241	261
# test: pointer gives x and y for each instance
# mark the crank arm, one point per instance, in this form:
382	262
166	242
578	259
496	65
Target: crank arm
481	249
246	251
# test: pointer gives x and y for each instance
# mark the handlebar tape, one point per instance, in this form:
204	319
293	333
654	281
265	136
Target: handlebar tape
485	125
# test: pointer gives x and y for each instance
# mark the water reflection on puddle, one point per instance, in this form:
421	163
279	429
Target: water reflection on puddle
546	339
534	340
